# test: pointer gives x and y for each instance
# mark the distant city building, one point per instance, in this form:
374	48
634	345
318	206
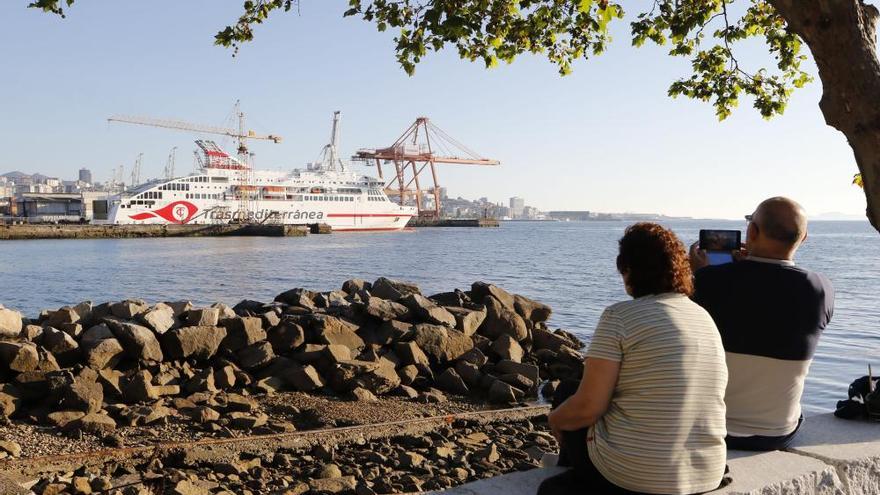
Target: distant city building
85	175
517	205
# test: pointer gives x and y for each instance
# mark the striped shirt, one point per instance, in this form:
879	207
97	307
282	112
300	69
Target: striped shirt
664	429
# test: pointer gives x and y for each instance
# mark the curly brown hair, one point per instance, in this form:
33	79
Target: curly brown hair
654	260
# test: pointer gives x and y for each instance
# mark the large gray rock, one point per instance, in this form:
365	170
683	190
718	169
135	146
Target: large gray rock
199	342
329	330
95	334
440	343
530	309
61	345
297	297
451	381
427	311
139	388
205	317
95	423
286	337
83	395
501	320
104	353
385	310
530	371
469	373
411	354
545	339
303	378
506	347
256	355
393	289
467	321
480	290
242	332
160	318
128	308
380	380
388	332
10	400
61	316
503	393
10	323
139	342
58	342
19	356
356	285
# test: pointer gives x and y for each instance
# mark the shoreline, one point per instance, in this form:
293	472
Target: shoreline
128	374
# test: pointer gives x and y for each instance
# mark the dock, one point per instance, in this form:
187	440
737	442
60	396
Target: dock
90	231
453	222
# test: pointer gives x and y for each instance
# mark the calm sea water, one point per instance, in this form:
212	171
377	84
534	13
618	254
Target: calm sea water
567	265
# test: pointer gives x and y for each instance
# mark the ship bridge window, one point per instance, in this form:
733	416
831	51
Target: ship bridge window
219	179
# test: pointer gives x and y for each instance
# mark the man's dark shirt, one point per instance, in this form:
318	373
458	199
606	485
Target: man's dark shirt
770	316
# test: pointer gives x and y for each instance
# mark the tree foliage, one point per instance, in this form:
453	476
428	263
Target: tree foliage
491	31
857	180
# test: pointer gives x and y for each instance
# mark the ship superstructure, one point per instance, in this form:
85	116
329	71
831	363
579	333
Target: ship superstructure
228	190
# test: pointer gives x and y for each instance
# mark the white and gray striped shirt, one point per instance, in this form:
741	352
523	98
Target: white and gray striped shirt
664	429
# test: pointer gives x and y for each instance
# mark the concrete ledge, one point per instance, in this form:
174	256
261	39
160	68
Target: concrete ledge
521	483
771	473
766	473
851	447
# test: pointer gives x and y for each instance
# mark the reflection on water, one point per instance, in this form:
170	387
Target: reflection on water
567	265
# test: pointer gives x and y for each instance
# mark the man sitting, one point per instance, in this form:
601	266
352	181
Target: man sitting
770	314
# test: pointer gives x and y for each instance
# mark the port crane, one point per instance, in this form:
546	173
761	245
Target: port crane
422	145
241	135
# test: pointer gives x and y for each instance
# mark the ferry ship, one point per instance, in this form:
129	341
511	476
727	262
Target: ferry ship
227	190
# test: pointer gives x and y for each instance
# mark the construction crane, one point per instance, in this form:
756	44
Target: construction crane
136	171
169	165
241	135
422	145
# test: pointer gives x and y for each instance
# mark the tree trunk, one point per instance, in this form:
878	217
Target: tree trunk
842	37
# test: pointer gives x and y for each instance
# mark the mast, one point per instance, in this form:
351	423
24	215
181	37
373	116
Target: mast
334	139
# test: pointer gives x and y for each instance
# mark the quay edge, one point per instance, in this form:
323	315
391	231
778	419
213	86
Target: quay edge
89	231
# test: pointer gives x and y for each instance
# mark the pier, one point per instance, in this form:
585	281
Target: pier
88	231
453	222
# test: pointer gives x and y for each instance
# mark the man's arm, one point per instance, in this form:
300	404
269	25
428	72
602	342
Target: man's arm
591	400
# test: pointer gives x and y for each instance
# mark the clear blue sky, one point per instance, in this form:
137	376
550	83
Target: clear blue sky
606	138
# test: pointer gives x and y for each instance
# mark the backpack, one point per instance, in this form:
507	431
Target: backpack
863	402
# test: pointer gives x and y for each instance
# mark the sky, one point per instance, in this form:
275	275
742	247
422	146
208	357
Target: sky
606	138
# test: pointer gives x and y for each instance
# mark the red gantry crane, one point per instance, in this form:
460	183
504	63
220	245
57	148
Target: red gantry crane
422	145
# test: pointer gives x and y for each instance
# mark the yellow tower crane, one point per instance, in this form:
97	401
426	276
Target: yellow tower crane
241	135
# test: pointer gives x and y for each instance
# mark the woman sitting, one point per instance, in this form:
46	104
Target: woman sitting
648	415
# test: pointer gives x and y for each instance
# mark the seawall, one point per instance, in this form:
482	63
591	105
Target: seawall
76	231
453	222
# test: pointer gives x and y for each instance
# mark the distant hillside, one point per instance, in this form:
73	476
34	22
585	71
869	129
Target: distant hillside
838	216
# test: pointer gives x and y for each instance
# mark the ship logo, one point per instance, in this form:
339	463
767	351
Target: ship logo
177	212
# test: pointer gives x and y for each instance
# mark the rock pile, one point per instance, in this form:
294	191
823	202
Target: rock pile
461	452
88	368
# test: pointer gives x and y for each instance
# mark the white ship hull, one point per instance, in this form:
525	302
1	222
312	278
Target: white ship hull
228	192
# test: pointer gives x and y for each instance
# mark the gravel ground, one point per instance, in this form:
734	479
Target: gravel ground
460	452
287	411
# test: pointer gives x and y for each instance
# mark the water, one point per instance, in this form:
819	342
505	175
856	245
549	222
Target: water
569	266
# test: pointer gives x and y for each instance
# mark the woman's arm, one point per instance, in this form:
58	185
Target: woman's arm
591	400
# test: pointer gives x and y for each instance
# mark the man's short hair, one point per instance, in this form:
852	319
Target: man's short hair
781	219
